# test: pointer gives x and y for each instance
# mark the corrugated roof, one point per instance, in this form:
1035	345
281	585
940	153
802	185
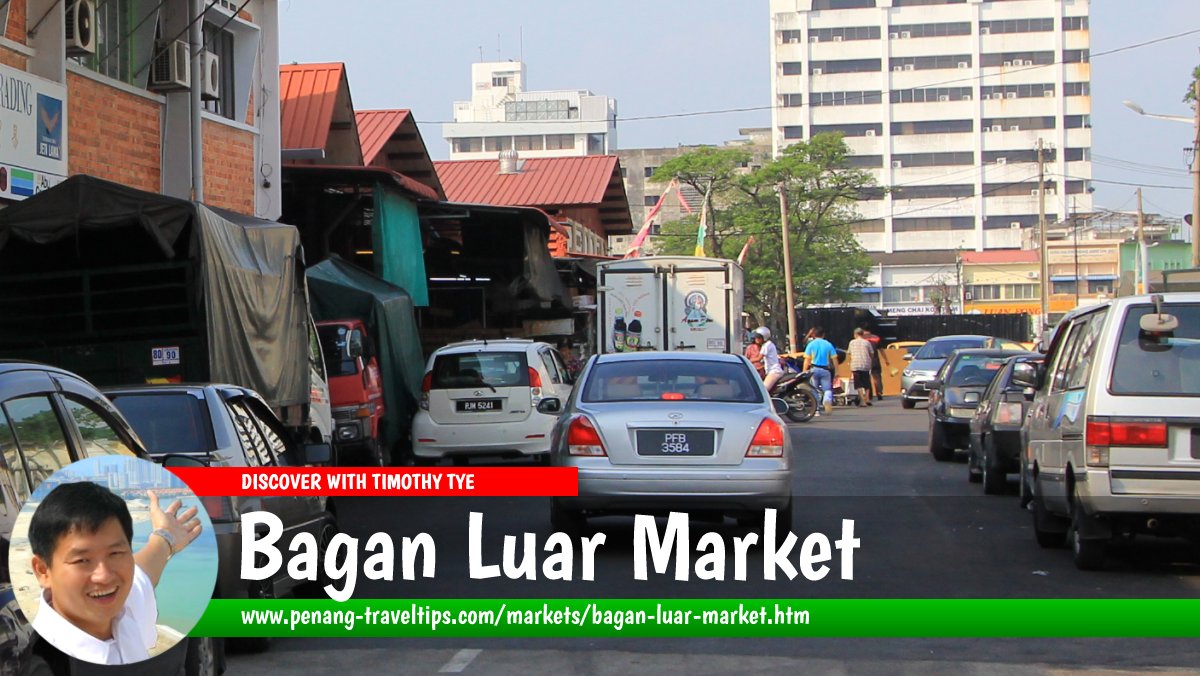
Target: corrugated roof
1001	256
375	128
542	181
307	95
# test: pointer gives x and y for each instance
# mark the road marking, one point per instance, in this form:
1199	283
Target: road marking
461	660
901	449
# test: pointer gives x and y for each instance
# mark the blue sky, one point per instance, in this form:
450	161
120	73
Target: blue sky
682	56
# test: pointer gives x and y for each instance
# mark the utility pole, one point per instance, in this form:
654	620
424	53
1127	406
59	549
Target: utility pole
1196	182
1143	285
962	290
1075	233
1044	254
787	268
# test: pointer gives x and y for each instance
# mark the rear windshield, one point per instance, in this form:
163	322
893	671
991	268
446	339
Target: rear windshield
942	349
1164	364
480	369
337	355
686	380
168	422
975	370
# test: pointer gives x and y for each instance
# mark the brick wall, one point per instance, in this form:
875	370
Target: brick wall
229	175
16	33
113	134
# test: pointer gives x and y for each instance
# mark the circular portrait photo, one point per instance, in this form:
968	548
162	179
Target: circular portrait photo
113	560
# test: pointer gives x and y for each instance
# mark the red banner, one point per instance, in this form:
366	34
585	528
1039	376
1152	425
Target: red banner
363	481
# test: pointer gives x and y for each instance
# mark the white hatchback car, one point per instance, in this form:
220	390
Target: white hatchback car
490	398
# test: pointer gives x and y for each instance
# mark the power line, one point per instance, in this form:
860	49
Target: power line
1136	185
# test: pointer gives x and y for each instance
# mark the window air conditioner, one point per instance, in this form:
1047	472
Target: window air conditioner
172	70
837	38
211	73
817	71
904	35
984	30
963	64
869	132
997	127
910	66
943	97
1008	63
1048	93
1012	95
80	32
1015	128
1031	274
968	295
1033	193
814	39
897	164
897	68
893	35
1001	160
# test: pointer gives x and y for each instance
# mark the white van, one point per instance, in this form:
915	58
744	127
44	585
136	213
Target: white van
1113	434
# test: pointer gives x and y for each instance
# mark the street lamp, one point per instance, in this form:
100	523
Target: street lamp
1142	111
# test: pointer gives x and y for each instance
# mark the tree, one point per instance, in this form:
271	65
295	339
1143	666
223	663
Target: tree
712	172
821	190
1190	97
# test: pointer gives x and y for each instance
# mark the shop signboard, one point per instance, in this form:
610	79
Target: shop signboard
33	133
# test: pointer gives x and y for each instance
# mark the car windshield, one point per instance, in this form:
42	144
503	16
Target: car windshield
480	369
1166	363
673	380
337	355
942	349
971	370
168	422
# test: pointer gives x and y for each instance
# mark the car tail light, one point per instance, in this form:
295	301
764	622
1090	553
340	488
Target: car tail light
767	441
1007	413
672	396
535	385
219	508
1103	433
426	385
583	439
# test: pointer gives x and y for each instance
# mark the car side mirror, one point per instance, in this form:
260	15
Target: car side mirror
935	384
315	454
907	356
551	406
1026	375
179	460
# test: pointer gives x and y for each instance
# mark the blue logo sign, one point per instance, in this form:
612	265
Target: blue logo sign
49	127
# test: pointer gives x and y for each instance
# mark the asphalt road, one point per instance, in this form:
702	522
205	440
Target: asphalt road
924	532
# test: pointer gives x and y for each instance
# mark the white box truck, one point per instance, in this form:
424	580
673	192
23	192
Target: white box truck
669	303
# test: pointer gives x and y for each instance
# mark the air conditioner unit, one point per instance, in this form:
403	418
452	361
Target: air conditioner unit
80	27
997	127
1031	274
1050	192
904	35
897	68
1015	225
963	64
837	38
967	295
869	132
814	39
1033	193
1048	93
1008	63
211	76
1015	128
897	164
172	69
1001	160
966	97
1012	95
943	97
910	66
984	30
817	71
893	35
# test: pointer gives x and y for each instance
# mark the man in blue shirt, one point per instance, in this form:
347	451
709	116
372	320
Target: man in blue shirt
820	357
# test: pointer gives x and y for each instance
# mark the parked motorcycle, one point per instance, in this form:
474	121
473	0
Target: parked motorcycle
794	389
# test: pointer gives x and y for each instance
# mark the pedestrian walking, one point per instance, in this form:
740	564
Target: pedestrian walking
820	357
861	354
878	359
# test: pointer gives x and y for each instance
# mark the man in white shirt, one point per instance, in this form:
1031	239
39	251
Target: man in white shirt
97	601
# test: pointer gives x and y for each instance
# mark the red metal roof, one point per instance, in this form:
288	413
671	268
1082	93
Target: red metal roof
1001	256
543	181
375	128
307	95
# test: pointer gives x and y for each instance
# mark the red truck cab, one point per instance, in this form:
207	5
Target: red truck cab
356	391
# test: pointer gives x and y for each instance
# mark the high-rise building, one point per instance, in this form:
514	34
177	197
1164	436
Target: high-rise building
502	115
944	101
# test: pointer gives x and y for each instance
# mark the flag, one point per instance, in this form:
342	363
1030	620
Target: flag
638	241
701	230
682	202
745	250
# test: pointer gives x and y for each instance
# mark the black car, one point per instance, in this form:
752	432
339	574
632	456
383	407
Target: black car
955	394
995	448
50	418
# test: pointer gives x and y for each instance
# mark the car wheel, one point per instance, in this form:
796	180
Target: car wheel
1088	553
203	657
1046	527
1023	490
994	478
569	521
802	406
34	665
905	402
937	444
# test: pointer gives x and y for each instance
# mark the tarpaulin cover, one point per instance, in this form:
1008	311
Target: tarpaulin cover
339	290
251	284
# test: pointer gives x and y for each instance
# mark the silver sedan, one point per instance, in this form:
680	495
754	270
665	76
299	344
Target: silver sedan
652	432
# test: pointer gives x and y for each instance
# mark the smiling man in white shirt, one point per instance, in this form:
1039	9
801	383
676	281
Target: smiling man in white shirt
97	602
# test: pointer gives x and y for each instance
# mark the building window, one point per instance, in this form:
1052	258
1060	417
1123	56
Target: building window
901	294
1075	56
791	68
4	20
933	159
521	111
468	144
871	297
528	143
843	98
790	37
845	33
933	127
918	3
1009	59
846	66
1077	122
1063	287
114	49
1021	291
220	43
650	200
648	172
499	81
1012	156
793	132
1016	26
819	5
914	192
930	62
983	292
1099	286
560	141
1018	123
919	224
929	30
1078	155
1077	89
1075	23
791	100
872	225
869	129
497	143
1024	91
931	95
595	144
864	161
